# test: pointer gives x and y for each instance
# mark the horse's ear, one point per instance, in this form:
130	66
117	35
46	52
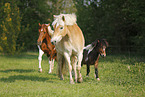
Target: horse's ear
54	26
63	18
107	44
39	24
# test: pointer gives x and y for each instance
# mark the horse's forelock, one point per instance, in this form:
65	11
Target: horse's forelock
100	41
104	41
58	22
64	19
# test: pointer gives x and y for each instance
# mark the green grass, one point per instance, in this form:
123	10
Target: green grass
120	76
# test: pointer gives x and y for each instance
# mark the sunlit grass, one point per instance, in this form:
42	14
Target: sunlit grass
121	76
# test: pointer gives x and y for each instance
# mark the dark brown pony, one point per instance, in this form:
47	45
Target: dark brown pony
92	53
45	46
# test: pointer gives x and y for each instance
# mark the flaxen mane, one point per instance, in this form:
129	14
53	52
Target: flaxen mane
70	19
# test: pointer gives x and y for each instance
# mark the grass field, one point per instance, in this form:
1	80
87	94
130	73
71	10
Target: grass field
120	76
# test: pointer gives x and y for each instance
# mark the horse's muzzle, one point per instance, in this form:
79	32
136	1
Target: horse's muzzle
53	42
103	55
39	43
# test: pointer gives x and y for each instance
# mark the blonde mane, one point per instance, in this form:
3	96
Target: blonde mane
69	19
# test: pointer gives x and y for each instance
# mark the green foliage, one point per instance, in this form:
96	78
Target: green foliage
10	27
32	12
37	11
121	22
120	76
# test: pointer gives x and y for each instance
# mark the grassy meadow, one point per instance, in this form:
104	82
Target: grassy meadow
120	76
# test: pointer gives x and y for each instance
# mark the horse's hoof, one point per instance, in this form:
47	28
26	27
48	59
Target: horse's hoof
72	82
87	75
50	72
80	80
40	70
98	79
61	78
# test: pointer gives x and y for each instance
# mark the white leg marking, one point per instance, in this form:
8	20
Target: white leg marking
40	58
98	79
51	63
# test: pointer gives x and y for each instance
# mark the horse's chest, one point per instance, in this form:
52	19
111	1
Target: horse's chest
65	46
92	57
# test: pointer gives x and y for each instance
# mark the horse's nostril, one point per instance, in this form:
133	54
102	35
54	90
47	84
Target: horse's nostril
53	42
103	55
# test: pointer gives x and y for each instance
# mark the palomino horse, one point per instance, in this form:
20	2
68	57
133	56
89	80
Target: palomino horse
69	42
91	54
45	46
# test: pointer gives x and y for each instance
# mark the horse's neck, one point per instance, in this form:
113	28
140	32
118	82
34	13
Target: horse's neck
47	35
95	52
48	39
71	30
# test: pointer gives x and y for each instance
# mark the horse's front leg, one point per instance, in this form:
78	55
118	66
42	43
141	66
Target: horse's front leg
96	74
96	69
88	69
40	58
51	64
74	62
67	58
60	61
80	57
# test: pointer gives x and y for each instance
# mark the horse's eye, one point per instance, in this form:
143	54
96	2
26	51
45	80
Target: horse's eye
44	32
61	28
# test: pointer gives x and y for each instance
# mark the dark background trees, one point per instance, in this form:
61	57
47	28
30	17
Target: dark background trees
121	22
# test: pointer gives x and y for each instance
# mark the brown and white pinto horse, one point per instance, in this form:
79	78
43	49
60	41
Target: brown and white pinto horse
69	42
92	53
45	46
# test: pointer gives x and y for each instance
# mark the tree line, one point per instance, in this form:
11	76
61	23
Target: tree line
121	22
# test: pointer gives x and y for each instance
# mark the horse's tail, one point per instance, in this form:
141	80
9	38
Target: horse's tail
63	68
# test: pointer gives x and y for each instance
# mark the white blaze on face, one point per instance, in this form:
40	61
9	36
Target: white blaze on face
104	53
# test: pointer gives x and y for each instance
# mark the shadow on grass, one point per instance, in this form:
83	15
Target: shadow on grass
17	70
26	55
25	78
